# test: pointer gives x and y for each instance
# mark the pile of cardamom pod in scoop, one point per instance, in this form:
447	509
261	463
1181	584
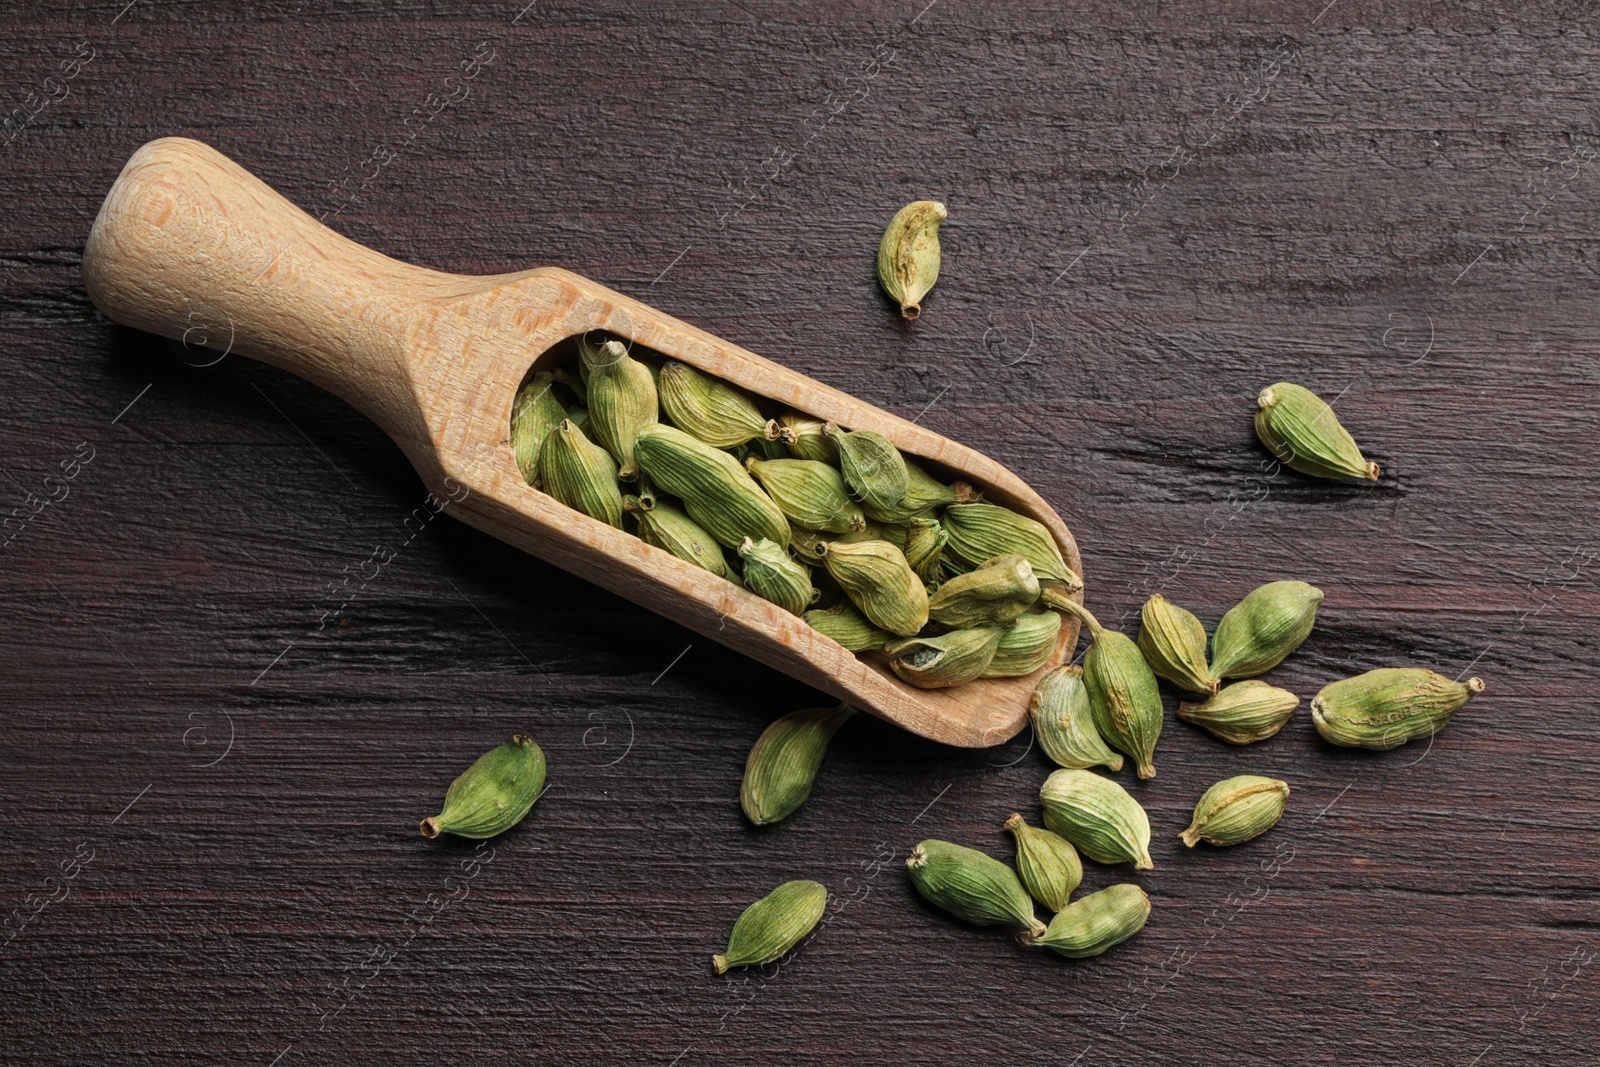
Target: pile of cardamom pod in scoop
831	524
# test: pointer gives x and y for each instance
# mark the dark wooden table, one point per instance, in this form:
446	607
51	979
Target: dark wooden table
224	720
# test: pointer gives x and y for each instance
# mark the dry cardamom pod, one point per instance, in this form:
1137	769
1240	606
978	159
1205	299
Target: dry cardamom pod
971	885
1174	644
1237	809
1303	432
997	592
955	658
879	581
1026	645
981	532
1385	708
665	527
622	401
492	795
924	494
772	574
1258	632
925	540
908	255
534	413
580	474
773	925
1096	922
715	490
1064	723
784	761
1123	692
810	493
1047	864
710	410
849	627
1243	713
872	467
1098	816
805	438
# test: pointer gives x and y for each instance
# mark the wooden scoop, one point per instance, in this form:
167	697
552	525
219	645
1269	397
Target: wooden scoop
190	245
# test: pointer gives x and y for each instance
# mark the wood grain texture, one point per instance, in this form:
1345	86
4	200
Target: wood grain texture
1401	213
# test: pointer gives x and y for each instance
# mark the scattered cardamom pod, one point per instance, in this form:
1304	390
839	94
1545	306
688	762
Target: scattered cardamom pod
580	474
772	574
846	625
1047	864
773	925
492	795
1026	646
872	467
998	592
879	581
1385	708
534	413
1123	692
1242	713
925	540
955	658
1303	432
1237	809
924	493
805	438
1262	629
980	532
716	491
622	401
908	255
810	493
664	526
1098	816
1064	723
971	885
1096	922
784	761
1174	644
710	410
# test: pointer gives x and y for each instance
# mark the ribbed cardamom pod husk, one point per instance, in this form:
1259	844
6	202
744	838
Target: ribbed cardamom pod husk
622	401
980	532
998	592
1174	644
784	760
955	658
1258	632
772	574
534	413
971	885
773	925
492	795
716	491
810	493
763	448
1047	864
846	625
924	495
1096	922
908	254
1026	646
1123	692
669	529
879	581
1237	809
710	410
580	474
1242	713
1385	708
805	438
893	533
925	541
1098	816
1302	431
872	467
1064	722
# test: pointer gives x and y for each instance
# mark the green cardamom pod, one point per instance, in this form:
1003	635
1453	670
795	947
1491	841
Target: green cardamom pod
980	532
955	658
1303	432
872	467
971	885
908	254
534	413
924	494
893	533
1064	723
1047	864
622	401
925	541
1098	816
1242	713
710	410
1385	708
1026	645
806	439
879	581
1096	922
1237	809
1123	692
998	592
1263	628
580	474
579	417
1174	644
492	795
716	491
784	762
810	493
849	627
772	574
665	527
773	925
